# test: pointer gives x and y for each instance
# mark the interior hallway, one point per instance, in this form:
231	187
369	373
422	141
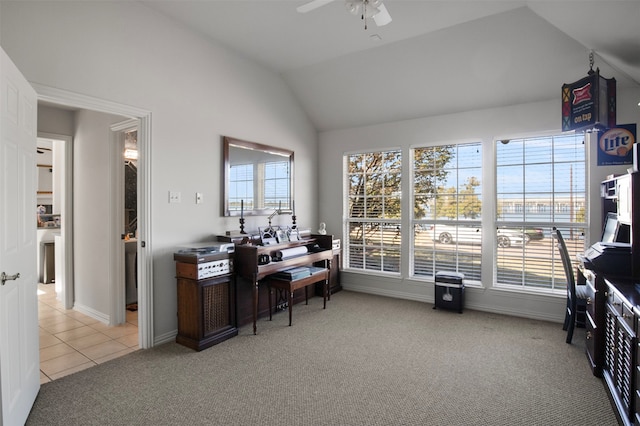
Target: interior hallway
71	341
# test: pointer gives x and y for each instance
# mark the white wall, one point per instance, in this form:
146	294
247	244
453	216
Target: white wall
56	120
482	125
196	91
92	206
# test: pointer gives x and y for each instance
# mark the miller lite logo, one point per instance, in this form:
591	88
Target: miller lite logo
617	142
582	94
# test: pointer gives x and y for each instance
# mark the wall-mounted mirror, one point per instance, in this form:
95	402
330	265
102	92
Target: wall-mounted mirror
258	179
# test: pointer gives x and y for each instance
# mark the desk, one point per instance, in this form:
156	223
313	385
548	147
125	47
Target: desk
246	263
292	285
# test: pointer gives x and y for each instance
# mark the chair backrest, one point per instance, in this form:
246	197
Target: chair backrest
568	271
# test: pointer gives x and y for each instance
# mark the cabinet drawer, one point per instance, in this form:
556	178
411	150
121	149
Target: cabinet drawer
591	298
614	301
636	416
590	332
628	317
637	359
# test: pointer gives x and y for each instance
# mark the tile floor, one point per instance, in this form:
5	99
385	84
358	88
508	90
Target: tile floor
71	341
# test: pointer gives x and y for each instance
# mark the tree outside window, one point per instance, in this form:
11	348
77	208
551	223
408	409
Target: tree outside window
447	232
374	211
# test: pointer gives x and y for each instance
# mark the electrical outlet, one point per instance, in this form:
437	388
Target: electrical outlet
198	197
174	197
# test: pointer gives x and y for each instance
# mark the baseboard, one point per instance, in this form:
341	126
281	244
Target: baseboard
523	313
165	338
92	313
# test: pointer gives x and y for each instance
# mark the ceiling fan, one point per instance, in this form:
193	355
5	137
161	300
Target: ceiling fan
366	9
41	150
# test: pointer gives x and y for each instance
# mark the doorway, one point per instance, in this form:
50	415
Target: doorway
74	339
54	156
124	138
144	263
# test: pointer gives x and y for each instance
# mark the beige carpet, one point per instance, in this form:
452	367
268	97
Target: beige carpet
365	360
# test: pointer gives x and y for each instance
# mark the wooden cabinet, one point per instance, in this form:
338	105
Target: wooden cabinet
614	349
613	309
619	352
206	308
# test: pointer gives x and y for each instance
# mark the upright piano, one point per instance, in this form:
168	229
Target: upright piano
250	264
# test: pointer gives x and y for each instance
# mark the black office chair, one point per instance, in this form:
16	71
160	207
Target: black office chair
576	294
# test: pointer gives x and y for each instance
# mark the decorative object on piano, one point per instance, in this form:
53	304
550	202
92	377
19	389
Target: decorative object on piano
615	146
293	215
589	103
293	233
282	236
242	217
268	235
323	229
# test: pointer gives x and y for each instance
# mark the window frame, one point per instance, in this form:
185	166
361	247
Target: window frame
395	223
558	282
457	225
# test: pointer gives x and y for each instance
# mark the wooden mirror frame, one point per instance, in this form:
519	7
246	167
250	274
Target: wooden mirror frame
229	144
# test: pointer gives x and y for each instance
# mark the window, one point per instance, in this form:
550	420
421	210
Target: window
447	206
373	218
276	184
262	184
540	183
241	185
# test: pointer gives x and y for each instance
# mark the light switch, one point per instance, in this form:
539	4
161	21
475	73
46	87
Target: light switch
174	196
198	197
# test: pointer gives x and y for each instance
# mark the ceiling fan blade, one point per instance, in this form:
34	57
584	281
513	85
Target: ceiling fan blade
382	18
312	5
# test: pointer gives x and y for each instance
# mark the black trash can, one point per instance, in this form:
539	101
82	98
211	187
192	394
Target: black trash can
449	291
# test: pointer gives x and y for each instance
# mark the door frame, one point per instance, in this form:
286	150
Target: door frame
118	289
145	260
66	213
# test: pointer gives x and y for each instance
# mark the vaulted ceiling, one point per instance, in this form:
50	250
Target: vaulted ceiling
435	57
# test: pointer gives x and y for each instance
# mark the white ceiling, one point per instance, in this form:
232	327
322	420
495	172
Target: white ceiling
435	57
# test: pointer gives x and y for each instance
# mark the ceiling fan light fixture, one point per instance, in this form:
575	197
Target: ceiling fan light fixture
364	8
353	7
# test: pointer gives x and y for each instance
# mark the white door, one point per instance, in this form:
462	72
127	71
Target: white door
19	344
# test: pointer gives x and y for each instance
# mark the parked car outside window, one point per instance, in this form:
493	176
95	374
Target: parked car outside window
505	237
534	233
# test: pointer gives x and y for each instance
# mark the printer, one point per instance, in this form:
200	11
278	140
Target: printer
610	258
